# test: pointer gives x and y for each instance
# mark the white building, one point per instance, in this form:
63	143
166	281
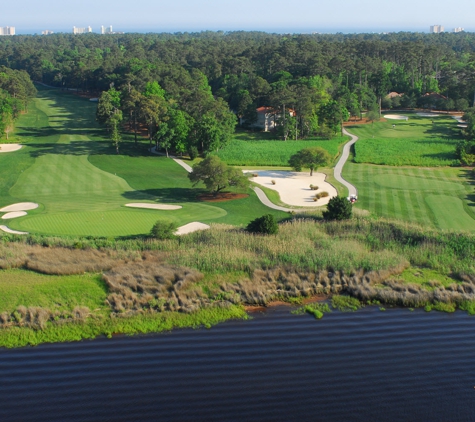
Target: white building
436	29
105	30
459	29
7	30
47	32
81	30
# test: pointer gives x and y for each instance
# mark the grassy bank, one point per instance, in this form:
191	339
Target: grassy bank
140	285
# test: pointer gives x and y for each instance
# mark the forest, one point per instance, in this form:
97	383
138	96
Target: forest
182	86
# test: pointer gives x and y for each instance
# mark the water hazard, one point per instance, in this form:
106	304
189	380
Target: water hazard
368	365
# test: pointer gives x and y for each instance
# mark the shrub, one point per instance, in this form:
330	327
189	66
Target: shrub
193	153
324	194
273	182
338	208
265	225
164	229
312	187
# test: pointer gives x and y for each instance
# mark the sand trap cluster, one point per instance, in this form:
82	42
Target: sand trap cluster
9	147
15	211
395	117
190	228
294	188
154	206
15	214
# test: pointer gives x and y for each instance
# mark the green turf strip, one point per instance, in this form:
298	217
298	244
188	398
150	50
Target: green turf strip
60	293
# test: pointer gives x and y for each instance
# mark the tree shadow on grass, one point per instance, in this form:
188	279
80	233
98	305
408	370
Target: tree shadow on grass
165	195
468	176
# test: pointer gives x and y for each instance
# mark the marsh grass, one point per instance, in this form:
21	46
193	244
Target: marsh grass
346	303
92	328
315	309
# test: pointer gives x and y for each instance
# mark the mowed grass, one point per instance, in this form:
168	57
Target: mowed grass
126	222
82	185
435	197
256	149
61	293
417	142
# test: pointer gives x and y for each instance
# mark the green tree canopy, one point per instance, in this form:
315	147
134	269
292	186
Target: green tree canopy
217	175
310	158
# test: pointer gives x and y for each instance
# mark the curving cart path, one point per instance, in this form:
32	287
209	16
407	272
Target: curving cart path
341	162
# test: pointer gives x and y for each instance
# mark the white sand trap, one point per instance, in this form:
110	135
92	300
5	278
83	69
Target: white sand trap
190	228
294	188
21	206
14	214
9	147
428	114
462	126
7	230
155	206
395	117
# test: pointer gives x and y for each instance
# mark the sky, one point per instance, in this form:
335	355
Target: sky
282	16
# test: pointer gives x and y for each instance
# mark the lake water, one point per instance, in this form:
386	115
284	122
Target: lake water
370	365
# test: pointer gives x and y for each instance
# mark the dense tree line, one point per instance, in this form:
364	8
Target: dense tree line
324	78
16	89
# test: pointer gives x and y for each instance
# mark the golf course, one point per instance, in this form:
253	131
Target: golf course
82	186
404	172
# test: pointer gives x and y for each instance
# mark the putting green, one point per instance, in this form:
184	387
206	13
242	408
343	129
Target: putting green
113	223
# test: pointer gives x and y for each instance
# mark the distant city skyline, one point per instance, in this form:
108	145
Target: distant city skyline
280	16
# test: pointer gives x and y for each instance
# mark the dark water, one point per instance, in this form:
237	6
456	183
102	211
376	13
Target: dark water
366	366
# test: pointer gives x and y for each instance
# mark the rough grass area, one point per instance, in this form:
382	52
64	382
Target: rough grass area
57	293
250	149
434	197
205	277
417	142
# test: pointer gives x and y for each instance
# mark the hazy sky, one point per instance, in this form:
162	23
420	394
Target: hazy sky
267	15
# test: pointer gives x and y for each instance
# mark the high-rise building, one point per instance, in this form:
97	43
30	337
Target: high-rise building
7	30
105	30
81	30
459	29
436	29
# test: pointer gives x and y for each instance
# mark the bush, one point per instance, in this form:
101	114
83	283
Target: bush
193	152
164	229
338	208
265	225
312	187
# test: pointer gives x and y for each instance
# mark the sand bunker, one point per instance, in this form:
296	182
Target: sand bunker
428	114
15	214
7	230
190	228
395	117
462	126
294	188
155	206
21	206
9	147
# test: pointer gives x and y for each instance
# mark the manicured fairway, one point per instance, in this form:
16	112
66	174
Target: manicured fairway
436	197
421	141
82	186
